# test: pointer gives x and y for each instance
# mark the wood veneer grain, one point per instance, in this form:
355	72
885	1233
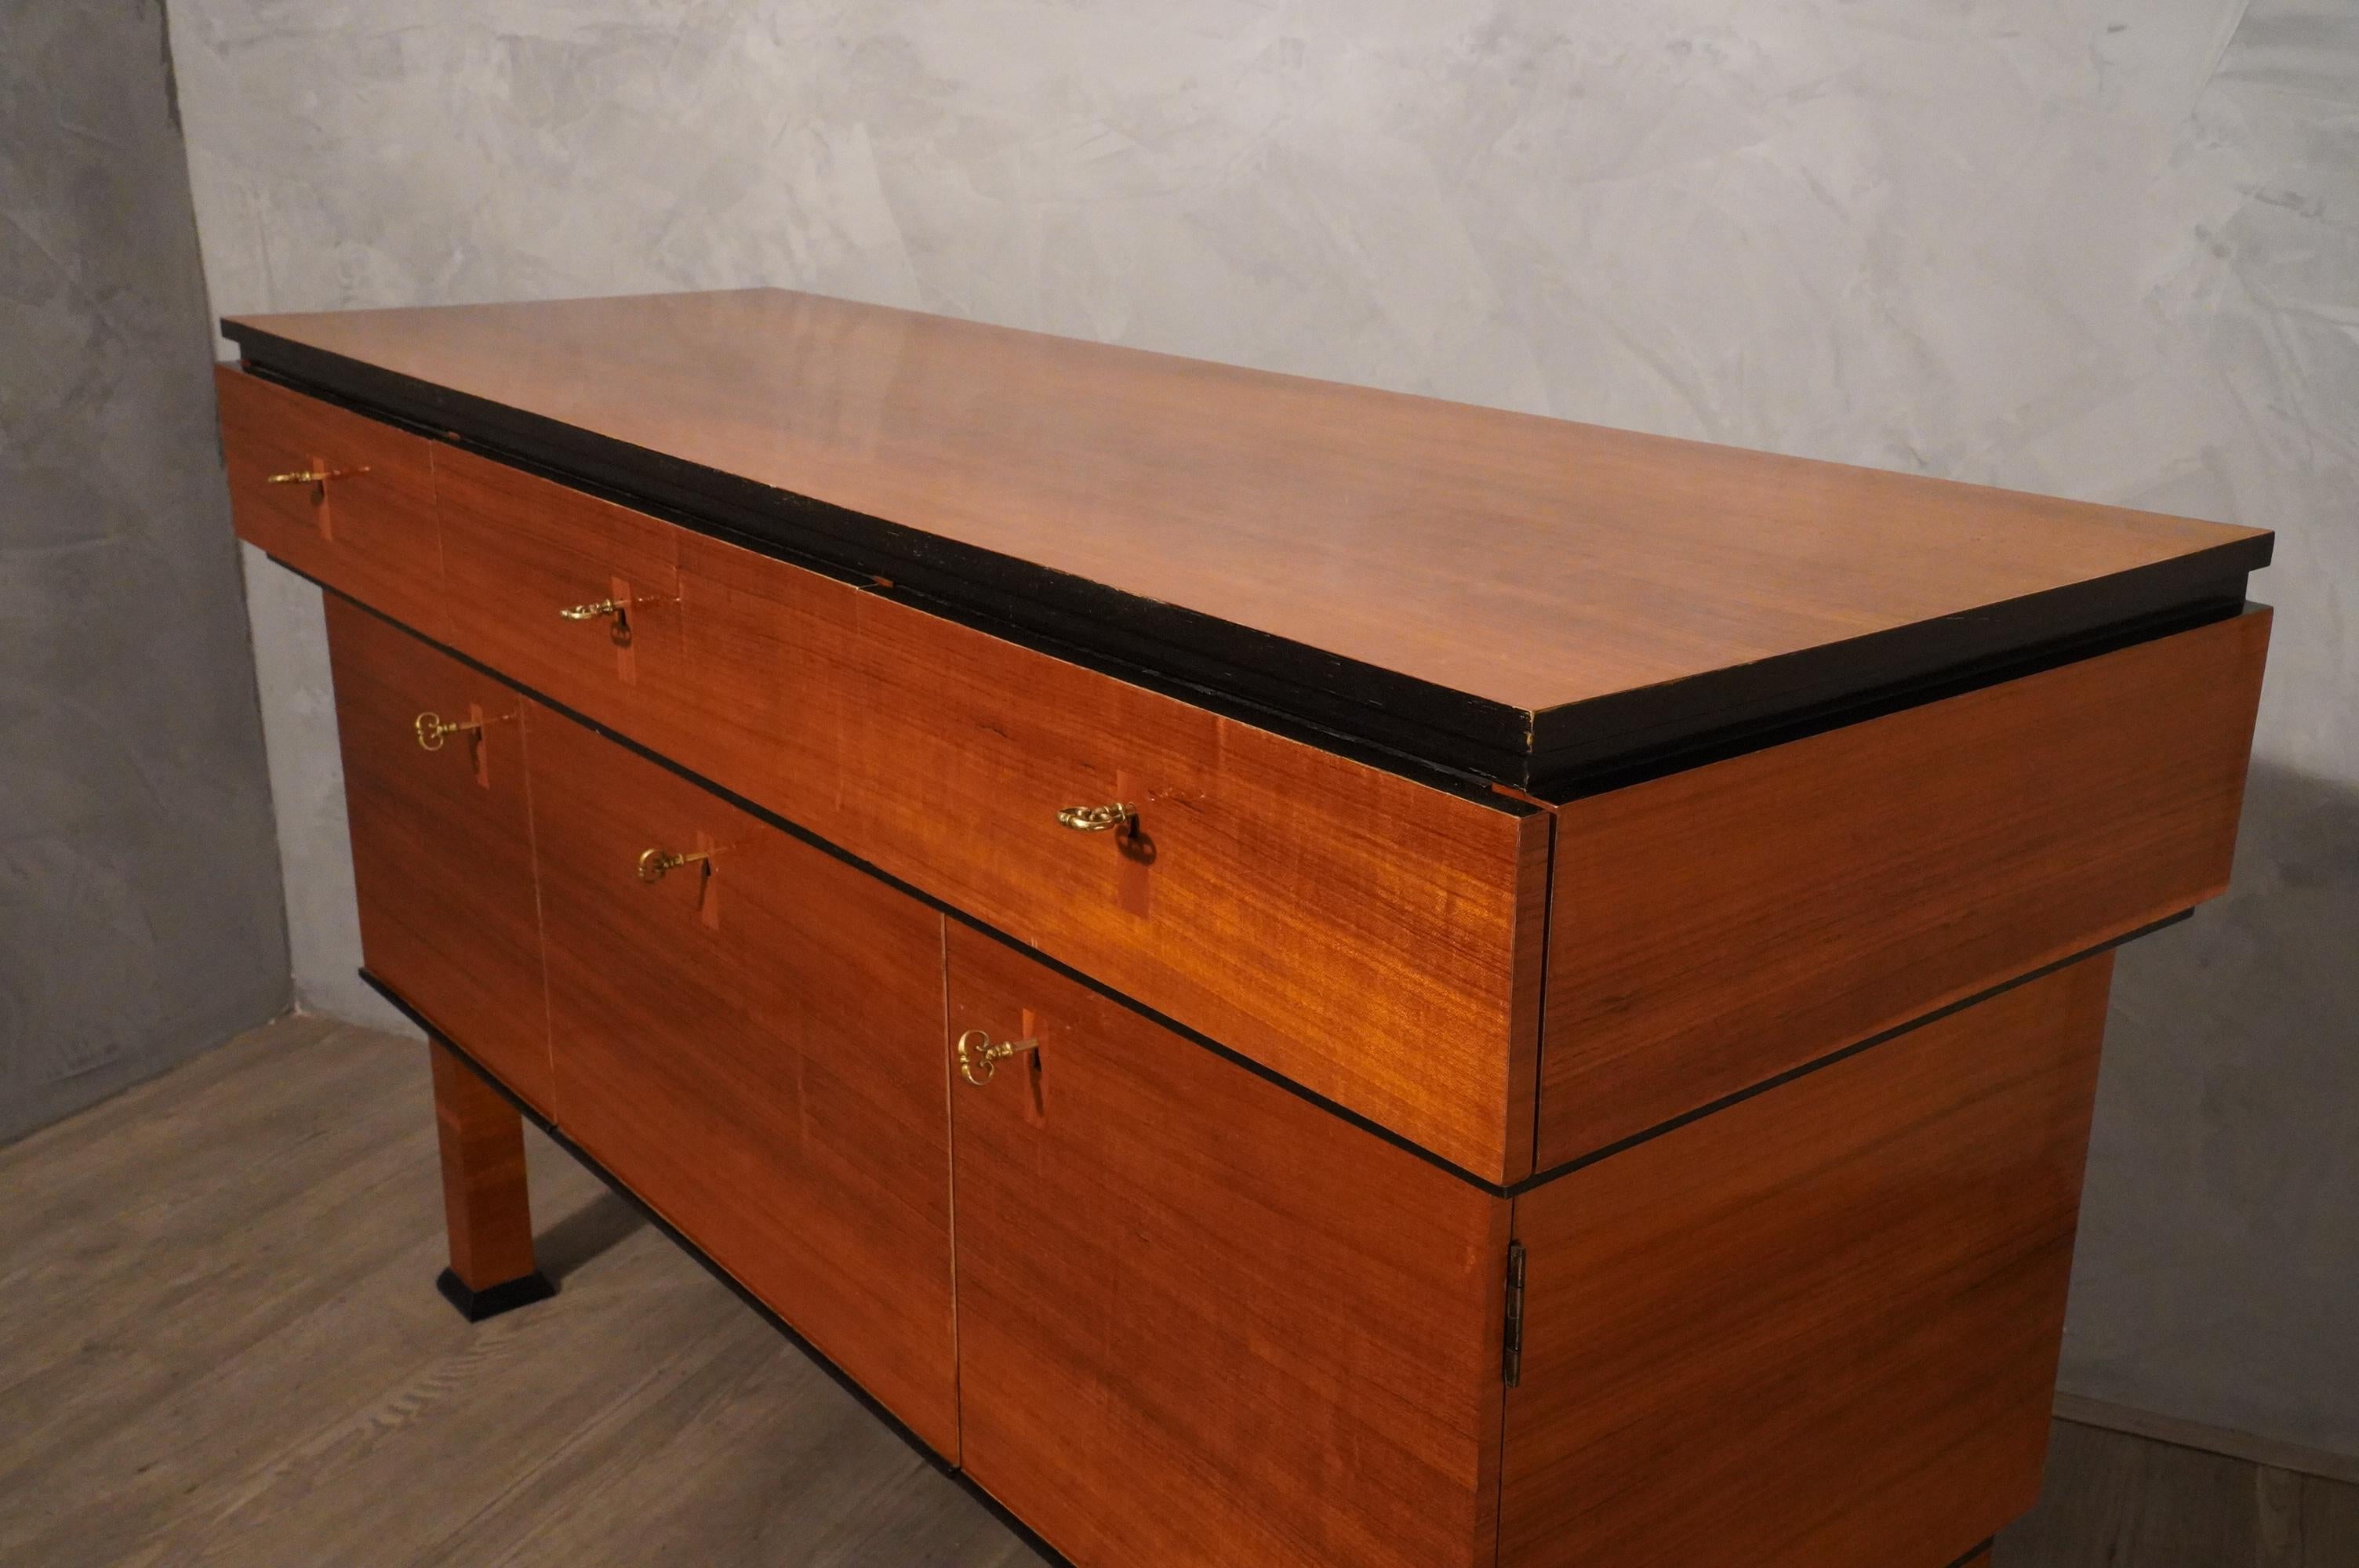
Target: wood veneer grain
1716	927
758	1054
346	1415
371	530
442	862
1202	1321
519	549
486	1208
1373	938
1524	564
1819	1328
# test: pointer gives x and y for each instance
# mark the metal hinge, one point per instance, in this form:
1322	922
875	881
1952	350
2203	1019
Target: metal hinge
1512	1352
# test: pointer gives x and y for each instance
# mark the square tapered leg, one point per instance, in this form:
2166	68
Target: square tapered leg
485	1198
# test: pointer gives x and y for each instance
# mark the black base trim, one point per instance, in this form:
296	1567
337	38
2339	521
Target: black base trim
492	1300
1974	1553
820	1358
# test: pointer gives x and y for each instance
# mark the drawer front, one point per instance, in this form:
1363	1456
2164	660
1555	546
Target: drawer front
572	596
754	1043
443	843
1722	925
365	524
1374	939
1200	1320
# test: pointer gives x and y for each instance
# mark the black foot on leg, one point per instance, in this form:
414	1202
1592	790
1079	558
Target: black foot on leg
493	1300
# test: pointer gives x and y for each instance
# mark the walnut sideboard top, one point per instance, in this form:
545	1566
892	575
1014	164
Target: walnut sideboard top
1514	788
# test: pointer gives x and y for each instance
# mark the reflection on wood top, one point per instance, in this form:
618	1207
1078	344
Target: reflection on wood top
1522	561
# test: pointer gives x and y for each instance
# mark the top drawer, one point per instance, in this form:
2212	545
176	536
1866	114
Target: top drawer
341	498
572	596
1374	939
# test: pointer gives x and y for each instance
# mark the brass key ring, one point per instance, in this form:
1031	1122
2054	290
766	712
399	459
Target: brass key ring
433	730
655	863
979	1059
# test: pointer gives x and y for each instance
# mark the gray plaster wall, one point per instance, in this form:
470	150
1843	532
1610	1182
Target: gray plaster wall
139	903
2102	248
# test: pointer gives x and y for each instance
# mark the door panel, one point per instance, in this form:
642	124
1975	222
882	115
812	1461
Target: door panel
754	1043
443	843
1201	1319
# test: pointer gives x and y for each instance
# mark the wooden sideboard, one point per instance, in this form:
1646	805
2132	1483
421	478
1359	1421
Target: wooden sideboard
1285	975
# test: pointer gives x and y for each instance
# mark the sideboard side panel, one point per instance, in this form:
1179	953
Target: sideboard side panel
1714	928
1819	1328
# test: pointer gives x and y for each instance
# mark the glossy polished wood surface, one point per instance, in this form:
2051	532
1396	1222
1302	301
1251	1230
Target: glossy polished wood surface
443	843
1716	927
334	1414
1520	560
1202	1322
487	1209
1364	935
1374	937
756	1049
518	550
369	528
1819	1328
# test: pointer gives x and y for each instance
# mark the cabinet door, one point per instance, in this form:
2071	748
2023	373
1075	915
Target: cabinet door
753	1041
1201	1319
443	841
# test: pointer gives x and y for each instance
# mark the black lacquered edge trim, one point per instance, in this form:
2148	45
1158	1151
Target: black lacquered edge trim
492	1300
1379	716
1973	1553
1397	722
1575	773
820	1358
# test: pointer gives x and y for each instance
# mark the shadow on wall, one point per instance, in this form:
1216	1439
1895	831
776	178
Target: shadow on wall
2219	1256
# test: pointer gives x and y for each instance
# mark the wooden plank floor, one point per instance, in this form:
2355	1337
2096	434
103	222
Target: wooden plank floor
220	1343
